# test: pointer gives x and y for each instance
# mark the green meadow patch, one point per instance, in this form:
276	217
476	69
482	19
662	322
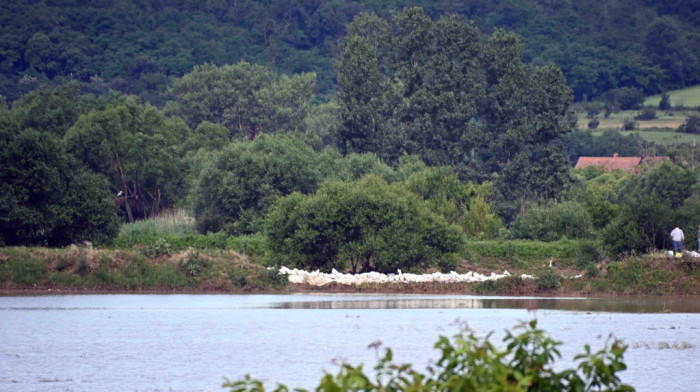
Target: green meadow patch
688	97
661	136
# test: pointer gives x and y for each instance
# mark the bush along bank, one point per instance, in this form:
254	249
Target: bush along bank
84	268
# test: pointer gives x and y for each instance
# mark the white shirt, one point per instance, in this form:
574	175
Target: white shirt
677	235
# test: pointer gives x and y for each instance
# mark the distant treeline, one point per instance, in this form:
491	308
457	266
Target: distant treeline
137	47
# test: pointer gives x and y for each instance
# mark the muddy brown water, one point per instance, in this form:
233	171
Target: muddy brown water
192	342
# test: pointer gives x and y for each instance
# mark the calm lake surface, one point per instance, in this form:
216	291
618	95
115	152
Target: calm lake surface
192	342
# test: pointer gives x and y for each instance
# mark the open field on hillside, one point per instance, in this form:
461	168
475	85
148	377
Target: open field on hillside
670	120
689	96
664	137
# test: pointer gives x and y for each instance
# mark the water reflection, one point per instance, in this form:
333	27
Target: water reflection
616	304
190	342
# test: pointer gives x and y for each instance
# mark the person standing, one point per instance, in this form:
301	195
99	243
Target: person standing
677	237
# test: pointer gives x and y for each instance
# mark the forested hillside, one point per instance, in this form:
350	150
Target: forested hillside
136	47
385	142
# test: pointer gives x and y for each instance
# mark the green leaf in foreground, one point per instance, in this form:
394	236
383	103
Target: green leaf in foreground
468	363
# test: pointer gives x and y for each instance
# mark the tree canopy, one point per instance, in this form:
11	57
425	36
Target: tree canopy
137	47
365	225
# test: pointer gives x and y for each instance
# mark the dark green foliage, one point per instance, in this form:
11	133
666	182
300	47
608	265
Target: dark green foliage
137	48
650	207
560	220
362	226
193	264
245	98
592	108
691	124
629	124
648	113
584	143
208	136
364	118
49	109
22	270
46	198
236	191
522	249
523	362
133	145
507	285
434	90
590	253
625	98
238	277
593	124
548	280
665	102
158	248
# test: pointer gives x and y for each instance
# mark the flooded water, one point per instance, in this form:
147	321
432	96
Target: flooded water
192	342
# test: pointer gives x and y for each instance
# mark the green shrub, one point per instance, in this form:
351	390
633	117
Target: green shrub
624	98
367	225
251	245
272	278
83	266
236	191
239	277
548	280
691	124
63	262
568	220
589	254
629	124
193	264
164	277
22	270
593	124
160	247
507	285
648	113
523	362
592	271
524	249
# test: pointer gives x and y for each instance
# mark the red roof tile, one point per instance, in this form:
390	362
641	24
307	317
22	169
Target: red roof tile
628	164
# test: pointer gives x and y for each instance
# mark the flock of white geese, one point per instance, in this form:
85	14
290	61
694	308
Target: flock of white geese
318	278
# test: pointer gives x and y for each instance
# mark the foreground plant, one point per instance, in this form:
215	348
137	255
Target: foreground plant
468	363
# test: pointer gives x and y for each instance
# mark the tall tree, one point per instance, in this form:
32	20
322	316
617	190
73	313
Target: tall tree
133	145
49	109
236	190
46	197
439	111
246	98
360	95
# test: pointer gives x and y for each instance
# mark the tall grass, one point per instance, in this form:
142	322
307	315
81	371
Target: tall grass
172	223
176	222
175	231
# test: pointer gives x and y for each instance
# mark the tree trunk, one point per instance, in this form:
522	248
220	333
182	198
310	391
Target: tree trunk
126	189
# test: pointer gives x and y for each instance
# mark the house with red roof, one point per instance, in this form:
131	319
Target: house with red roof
628	164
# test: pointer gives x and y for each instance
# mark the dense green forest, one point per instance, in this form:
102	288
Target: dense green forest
436	133
137	47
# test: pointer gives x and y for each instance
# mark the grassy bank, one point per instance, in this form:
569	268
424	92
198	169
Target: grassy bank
88	269
85	269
